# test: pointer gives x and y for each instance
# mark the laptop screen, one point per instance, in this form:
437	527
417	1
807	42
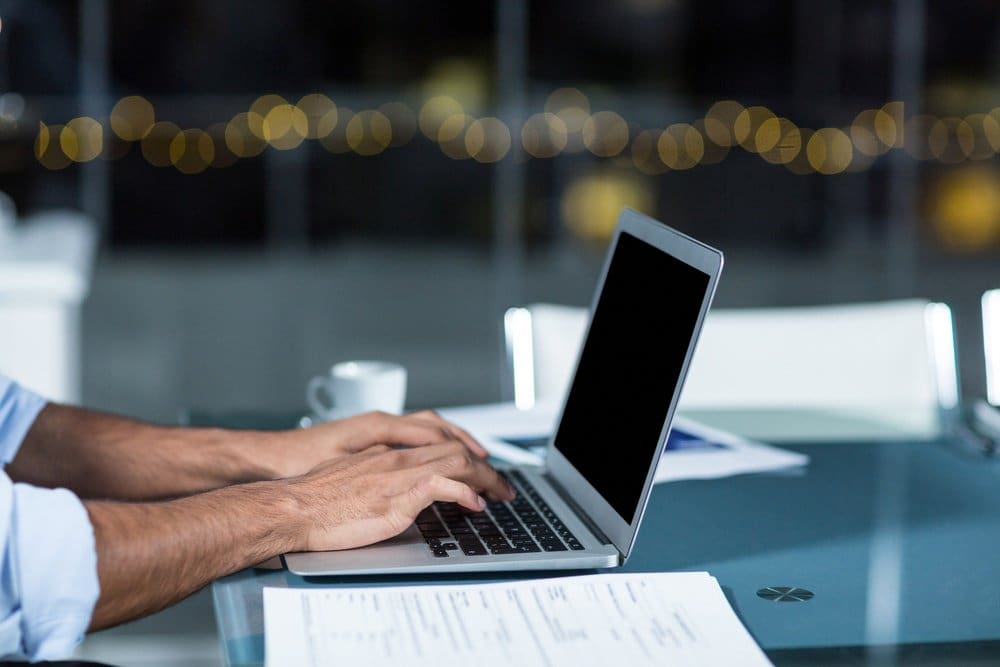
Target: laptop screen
629	369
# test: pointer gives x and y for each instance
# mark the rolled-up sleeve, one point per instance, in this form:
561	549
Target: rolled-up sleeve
48	573
18	410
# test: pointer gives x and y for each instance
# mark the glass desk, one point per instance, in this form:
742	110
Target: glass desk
898	541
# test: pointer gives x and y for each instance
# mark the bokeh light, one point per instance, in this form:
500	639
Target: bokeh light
949	140
315	106
192	151
285	127
965	206
895	112
720	121
591	205
746	125
488	140
333	130
47	149
873	132
403	121
544	135
646	154
799	165
714	153
82	139
156	143
259	110
368	132
572	107
680	146
605	134
976	141
240	139
460	79
829	150
779	140
132	117
436	111
451	136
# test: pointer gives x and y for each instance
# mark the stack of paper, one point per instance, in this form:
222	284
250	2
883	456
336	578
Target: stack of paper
693	451
605	619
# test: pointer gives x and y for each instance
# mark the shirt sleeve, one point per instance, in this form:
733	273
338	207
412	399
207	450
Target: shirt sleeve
48	575
18	410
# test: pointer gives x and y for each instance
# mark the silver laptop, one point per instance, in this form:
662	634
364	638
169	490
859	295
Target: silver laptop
583	509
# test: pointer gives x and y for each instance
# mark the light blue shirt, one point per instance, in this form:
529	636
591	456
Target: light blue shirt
48	563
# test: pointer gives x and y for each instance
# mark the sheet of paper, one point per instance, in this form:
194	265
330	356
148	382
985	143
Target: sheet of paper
708	453
605	619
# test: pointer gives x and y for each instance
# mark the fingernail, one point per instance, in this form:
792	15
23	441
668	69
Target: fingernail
482	502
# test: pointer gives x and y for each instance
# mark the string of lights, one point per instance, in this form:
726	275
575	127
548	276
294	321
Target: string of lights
565	125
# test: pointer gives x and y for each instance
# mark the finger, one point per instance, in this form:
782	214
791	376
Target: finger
436	488
473	471
456	431
420	432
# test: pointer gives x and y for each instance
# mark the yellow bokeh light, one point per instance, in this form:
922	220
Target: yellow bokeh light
132	117
605	134
965	207
746	125
680	146
114	147
47	149
975	138
591	205
285	127
240	139
156	143
368	132
259	110
451	136
779	140
991	127
896	113
333	130
544	135
435	111
461	79
488	140
714	153
315	106
403	120
646	154
82	139
720	121
829	150
223	156
873	132
572	107
191	151
799	165
949	140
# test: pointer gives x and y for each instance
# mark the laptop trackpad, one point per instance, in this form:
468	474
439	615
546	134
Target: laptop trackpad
407	548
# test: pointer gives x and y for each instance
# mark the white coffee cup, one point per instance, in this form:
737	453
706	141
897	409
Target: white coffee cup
352	387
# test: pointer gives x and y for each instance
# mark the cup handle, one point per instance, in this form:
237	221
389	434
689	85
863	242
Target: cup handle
314	390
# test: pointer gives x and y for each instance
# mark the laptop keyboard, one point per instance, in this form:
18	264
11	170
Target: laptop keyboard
525	525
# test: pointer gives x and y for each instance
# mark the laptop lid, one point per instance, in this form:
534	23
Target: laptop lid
650	304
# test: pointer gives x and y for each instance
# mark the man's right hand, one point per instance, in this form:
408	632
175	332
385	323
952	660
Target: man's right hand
376	494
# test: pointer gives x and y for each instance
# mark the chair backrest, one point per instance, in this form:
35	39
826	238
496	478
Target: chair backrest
895	360
991	344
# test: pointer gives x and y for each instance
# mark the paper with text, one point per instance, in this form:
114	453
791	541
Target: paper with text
605	619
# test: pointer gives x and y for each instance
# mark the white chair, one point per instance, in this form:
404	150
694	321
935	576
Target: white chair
991	344
833	372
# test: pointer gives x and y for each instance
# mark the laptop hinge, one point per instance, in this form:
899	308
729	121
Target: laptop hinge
598	533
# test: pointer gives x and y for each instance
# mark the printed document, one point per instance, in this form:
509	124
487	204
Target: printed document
604	619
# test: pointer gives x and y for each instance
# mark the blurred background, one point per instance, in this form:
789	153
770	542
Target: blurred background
278	186
271	187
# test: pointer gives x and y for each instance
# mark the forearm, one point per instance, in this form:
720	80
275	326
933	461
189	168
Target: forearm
98	455
150	555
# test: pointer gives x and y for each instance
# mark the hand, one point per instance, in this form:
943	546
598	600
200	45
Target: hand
302	450
373	495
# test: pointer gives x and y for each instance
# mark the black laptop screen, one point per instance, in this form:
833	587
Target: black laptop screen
629	368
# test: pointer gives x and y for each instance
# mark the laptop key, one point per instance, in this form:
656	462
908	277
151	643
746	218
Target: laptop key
554	546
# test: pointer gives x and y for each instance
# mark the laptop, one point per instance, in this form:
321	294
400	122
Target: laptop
584	507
